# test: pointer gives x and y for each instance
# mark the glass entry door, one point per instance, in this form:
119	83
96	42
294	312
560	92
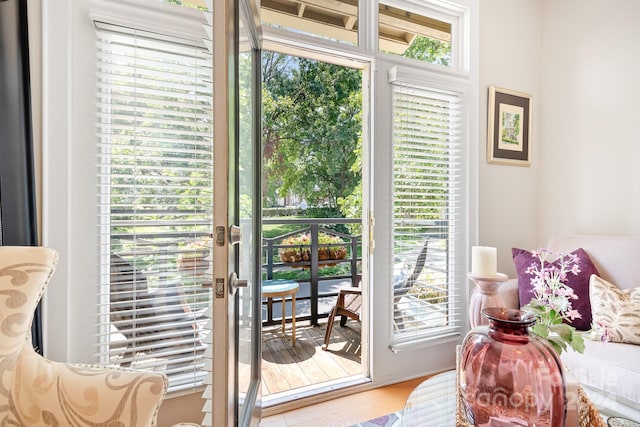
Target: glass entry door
236	310
247	208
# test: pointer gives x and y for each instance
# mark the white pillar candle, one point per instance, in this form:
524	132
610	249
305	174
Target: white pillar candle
484	261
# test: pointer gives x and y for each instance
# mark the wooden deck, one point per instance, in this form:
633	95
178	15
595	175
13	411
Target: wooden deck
286	368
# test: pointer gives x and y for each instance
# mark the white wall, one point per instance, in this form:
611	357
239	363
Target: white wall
590	141
578	58
509	58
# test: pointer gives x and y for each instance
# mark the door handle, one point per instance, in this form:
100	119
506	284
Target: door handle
235	235
235	283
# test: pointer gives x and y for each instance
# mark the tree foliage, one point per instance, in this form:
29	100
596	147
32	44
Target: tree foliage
429	50
312	124
311	130
186	4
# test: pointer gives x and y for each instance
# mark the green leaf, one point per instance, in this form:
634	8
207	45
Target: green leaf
577	343
540	330
563	330
557	344
535	308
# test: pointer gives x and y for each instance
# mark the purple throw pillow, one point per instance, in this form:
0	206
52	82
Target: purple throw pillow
580	283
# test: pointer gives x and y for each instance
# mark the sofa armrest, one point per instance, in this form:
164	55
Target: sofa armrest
508	291
52	393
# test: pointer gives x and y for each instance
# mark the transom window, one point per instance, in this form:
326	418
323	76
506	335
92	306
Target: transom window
413	35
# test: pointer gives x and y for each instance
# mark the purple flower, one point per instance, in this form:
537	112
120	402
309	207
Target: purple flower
549	285
573	314
551	304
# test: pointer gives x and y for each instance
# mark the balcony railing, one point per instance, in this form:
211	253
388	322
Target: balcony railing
274	266
159	254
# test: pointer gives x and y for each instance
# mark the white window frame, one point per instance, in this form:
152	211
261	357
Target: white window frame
392	360
455	13
456	265
69	153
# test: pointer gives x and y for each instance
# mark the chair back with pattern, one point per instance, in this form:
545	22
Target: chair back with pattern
37	391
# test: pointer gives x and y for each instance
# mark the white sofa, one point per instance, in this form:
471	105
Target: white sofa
608	371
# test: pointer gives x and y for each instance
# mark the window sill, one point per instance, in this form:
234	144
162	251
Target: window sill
414	343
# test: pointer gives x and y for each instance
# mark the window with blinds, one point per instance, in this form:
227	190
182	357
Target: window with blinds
427	178
155	179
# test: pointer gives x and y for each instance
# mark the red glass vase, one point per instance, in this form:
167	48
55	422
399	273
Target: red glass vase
509	377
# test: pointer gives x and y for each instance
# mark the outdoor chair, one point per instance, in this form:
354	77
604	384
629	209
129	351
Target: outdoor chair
404	283
159	323
348	305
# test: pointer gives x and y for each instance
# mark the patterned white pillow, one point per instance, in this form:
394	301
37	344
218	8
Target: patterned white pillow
617	310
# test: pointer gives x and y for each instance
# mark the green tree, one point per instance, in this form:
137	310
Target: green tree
278	97
429	50
312	127
186	4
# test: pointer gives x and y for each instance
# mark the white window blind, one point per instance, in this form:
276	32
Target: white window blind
427	179
155	169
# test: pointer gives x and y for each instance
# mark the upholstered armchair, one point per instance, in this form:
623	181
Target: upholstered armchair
35	391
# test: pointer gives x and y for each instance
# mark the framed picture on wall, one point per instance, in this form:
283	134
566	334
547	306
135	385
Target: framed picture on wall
509	127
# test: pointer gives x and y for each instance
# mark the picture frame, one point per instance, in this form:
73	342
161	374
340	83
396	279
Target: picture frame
509	127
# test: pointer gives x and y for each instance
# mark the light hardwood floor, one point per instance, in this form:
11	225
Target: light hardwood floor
347	410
